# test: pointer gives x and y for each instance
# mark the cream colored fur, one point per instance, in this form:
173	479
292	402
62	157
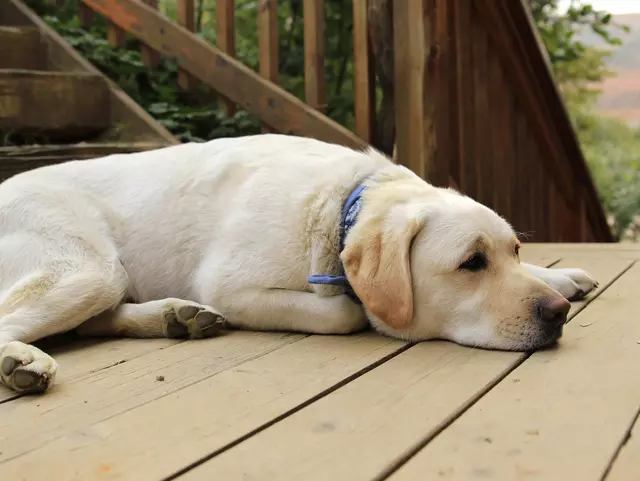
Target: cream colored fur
175	241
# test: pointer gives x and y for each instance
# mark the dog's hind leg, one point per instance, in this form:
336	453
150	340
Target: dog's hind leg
54	300
162	318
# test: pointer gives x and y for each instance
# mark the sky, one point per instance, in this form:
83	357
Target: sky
613	6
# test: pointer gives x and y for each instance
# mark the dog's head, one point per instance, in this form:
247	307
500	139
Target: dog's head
430	263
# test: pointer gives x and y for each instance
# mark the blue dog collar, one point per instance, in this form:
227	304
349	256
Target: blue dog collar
350	212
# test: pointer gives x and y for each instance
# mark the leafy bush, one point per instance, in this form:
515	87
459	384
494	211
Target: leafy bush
611	147
190	117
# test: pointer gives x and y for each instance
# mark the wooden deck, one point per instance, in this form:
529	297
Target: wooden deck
265	406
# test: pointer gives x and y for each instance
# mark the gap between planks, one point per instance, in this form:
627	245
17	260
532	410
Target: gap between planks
624	463
560	425
357	432
78	427
82	357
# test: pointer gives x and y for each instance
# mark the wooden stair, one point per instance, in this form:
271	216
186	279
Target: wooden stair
55	106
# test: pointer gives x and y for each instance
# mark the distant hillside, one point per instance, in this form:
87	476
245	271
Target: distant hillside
621	94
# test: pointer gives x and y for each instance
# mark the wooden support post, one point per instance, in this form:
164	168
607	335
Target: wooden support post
150	57
268	42
186	18
278	108
363	74
226	39
85	15
116	36
414	133
314	79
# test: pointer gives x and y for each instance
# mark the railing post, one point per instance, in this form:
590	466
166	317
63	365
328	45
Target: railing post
226	39
363	73
186	18
314	80
268	63
116	36
414	132
150	57
85	15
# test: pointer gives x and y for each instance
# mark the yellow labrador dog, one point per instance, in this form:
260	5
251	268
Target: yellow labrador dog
268	232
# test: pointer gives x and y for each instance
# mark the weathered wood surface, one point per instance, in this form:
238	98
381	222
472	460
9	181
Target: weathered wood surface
275	107
360	407
128	121
22	48
53	104
14	160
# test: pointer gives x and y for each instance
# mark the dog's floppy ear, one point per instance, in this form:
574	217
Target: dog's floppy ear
378	265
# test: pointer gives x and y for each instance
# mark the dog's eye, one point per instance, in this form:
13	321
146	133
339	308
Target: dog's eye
475	263
517	250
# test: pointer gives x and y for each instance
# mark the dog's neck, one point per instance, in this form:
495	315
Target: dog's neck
348	218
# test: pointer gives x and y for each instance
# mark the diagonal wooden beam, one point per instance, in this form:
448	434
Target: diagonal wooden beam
273	105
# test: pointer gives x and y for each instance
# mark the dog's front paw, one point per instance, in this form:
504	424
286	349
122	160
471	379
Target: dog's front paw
26	369
573	284
190	319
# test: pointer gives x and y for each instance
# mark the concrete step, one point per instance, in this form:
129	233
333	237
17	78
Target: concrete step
53	106
22	48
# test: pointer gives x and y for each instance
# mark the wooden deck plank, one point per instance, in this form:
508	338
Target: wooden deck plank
74	406
163	432
625	250
368	425
561	414
84	357
625	466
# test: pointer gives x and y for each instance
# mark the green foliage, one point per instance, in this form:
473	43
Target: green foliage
611	147
338	48
188	117
577	66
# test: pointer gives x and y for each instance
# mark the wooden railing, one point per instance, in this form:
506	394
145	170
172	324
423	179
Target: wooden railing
474	100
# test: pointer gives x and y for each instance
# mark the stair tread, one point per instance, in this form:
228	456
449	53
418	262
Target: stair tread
49	73
14	160
53	105
22	47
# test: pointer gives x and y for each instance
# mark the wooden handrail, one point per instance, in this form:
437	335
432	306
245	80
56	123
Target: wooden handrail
273	105
475	103
515	31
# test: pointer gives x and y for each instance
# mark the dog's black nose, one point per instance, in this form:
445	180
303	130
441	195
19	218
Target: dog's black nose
552	311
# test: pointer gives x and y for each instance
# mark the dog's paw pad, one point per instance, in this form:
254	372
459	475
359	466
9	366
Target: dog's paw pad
209	323
188	312
189	319
29	381
26	369
9	365
175	329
